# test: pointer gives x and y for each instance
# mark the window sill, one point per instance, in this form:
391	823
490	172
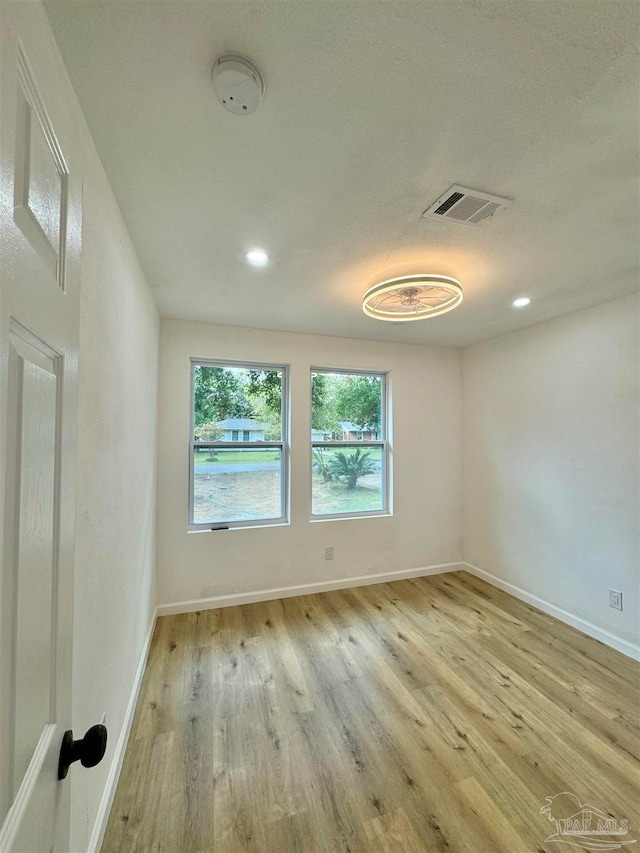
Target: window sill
238	527
314	519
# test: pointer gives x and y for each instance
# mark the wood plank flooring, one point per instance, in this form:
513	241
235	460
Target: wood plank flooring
434	714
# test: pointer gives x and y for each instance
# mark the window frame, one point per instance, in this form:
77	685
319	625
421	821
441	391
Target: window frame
384	443
283	444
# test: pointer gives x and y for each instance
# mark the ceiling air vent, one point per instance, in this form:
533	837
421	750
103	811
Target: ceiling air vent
468	207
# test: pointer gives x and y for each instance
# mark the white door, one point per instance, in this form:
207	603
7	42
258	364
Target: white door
40	235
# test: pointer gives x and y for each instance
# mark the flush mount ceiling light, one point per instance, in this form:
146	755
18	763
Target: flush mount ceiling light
521	302
257	258
412	297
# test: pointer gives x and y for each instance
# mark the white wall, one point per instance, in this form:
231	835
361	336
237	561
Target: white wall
115	521
551	461
425	527
115	541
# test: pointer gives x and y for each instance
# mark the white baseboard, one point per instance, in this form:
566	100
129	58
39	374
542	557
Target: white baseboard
624	646
100	825
302	589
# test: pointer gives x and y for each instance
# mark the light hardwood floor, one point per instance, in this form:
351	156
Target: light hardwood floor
433	714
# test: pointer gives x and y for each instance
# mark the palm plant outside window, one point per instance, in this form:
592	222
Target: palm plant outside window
349	444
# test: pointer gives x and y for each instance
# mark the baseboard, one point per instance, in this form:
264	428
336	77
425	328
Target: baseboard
617	643
302	589
100	825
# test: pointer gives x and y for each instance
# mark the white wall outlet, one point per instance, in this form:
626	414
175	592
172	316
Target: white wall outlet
328	552
615	599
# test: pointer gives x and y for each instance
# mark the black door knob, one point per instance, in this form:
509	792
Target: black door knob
89	750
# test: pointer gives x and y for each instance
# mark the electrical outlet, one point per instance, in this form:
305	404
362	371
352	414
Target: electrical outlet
328	552
615	599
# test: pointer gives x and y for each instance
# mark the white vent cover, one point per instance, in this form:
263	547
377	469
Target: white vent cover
465	206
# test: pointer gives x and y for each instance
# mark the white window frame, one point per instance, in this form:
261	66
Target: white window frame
383	443
282	445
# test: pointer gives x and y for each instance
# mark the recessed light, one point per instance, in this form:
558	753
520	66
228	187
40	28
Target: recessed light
257	258
521	302
412	297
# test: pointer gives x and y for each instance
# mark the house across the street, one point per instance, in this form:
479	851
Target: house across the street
353	432
242	429
348	432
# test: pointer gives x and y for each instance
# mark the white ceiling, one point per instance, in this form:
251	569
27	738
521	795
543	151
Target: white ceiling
372	109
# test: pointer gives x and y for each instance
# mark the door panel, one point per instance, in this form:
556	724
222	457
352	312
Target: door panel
33	406
40	250
40	174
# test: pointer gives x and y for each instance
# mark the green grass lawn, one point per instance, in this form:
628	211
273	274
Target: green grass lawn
247	495
237	457
335	497
233	457
238	496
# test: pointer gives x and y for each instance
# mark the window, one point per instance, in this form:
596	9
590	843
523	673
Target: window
349	470
244	485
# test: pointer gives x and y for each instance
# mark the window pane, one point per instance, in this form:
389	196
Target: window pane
234	402
346	479
346	406
240	484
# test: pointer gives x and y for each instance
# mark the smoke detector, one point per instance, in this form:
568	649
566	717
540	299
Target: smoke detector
465	206
237	83
412	297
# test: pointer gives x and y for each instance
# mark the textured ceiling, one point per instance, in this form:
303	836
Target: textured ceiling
372	109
